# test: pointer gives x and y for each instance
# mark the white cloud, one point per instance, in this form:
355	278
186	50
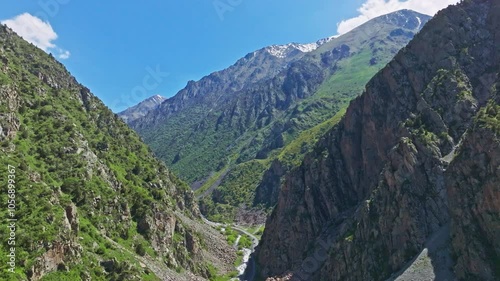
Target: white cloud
374	8
36	31
64	54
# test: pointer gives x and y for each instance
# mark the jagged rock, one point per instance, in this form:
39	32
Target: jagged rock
72	217
57	254
9	122
159	228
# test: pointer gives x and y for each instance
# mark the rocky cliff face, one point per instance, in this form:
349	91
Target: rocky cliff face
91	200
374	190
474	198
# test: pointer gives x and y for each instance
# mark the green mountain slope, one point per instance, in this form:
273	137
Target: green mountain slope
213	133
90	199
183	130
308	98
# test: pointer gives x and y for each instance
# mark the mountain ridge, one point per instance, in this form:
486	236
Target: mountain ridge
231	137
302	47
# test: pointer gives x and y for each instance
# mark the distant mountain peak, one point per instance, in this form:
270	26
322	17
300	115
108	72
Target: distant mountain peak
156	98
142	108
407	18
404	18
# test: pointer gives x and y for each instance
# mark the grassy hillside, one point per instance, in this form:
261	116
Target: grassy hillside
90	199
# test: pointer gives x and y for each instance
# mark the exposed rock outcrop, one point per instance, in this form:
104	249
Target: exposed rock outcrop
56	257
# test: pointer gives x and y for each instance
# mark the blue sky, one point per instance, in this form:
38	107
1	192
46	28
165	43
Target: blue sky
113	46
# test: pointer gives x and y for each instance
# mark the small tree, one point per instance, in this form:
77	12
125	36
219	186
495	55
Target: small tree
140	249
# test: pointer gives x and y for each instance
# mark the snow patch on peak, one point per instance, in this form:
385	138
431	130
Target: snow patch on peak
306	48
281	51
326	40
157	99
419	22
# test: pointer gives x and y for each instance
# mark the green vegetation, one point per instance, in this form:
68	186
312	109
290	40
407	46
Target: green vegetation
70	152
489	117
245	242
214	273
238	187
257	230
231	235
293	153
351	77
